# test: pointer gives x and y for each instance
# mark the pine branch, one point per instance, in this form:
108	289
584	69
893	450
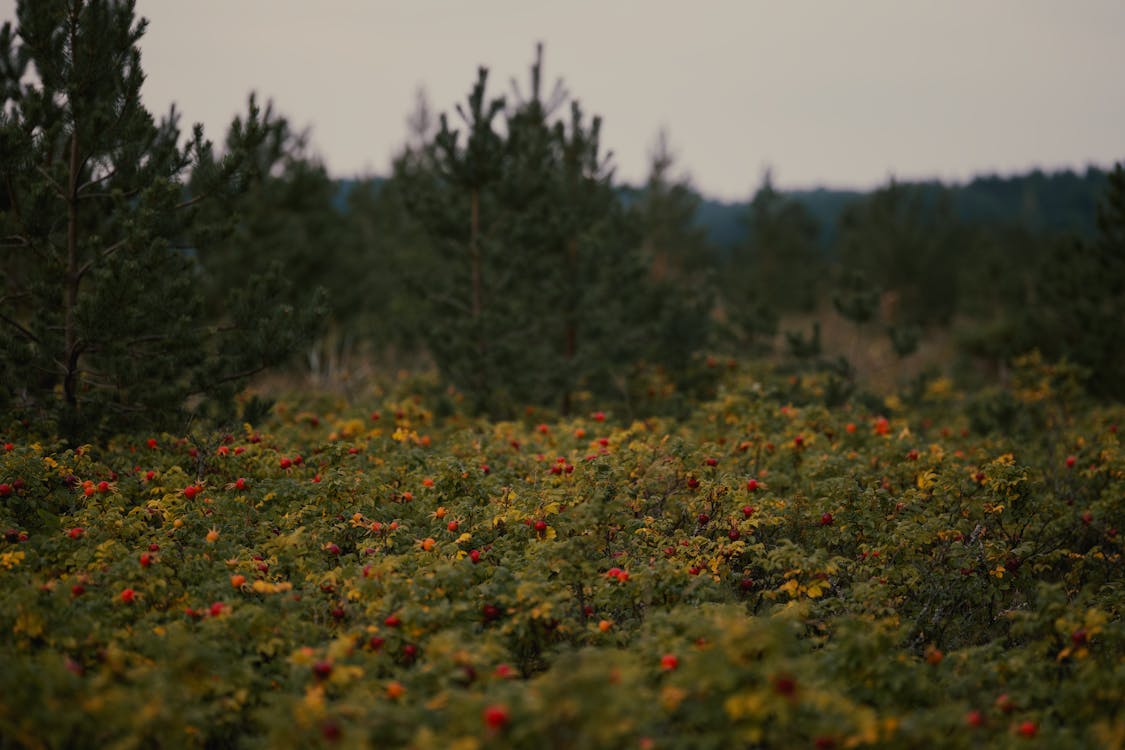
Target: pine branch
191	202
109	251
235	376
58	188
103	178
15	324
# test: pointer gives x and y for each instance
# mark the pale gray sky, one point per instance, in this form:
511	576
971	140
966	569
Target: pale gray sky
825	92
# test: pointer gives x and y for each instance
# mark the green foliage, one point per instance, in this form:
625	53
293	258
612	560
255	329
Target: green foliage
904	239
103	327
781	260
757	573
1079	298
528	272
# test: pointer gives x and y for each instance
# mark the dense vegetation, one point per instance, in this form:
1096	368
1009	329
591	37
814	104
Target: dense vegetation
630	488
768	572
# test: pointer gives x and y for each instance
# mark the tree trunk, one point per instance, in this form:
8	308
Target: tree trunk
70	295
571	324
474	252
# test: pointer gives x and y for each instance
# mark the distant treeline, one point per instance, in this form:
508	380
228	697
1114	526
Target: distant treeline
1041	202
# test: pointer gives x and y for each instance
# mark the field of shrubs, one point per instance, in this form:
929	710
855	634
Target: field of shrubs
934	570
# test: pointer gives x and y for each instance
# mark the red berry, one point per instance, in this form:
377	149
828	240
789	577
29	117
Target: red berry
285	463
332	548
5	490
322	669
599	416
1070	461
1028	729
668	662
752	485
784	685
392	621
241	483
128	595
191	491
540	526
974	718
76	532
77	590
495	716
330	730
1079	637
747	510
474	555
712	462
826	519
734	534
146	559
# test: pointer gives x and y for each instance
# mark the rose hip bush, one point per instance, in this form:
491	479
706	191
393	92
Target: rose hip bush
768	572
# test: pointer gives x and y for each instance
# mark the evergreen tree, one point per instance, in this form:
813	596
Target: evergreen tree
534	286
781	255
666	211
1079	299
103	326
905	241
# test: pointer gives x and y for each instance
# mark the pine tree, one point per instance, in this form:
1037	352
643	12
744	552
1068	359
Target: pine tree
782	256
1079	298
534	288
906	241
103	326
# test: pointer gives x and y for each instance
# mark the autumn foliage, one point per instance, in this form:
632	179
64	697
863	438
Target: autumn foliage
424	581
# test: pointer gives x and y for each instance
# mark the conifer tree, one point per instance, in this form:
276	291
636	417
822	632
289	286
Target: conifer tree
781	255
1079	298
534	288
103	326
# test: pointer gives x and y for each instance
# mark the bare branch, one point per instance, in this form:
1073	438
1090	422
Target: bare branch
15	324
103	178
101	256
58	188
193	201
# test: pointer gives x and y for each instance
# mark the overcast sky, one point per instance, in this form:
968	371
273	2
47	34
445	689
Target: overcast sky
832	92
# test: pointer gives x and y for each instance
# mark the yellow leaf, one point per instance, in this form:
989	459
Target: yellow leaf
926	479
790	587
743	705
